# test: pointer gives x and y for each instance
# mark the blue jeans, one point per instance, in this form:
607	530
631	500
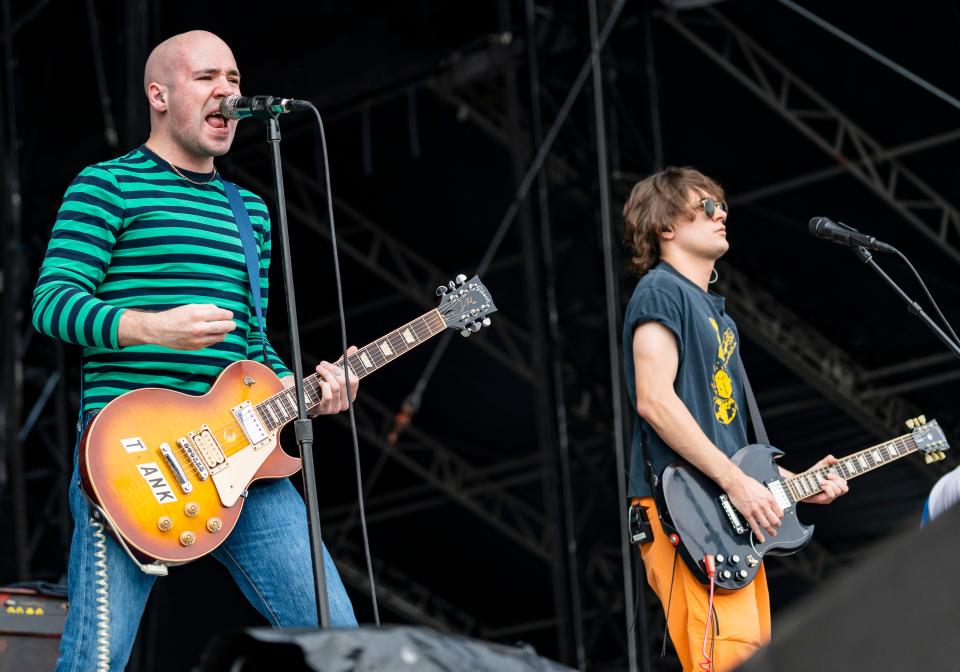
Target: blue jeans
277	578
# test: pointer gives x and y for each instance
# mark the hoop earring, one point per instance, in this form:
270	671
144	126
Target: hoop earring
714	276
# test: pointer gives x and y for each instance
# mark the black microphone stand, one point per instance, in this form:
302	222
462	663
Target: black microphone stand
912	306
262	108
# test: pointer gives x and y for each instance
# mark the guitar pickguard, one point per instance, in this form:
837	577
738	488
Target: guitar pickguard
232	478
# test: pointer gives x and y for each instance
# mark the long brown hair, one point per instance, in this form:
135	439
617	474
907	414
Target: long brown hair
654	205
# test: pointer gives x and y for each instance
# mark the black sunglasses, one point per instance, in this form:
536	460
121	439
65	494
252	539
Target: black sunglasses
710	206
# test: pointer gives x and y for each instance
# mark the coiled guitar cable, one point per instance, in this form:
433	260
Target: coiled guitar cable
102	588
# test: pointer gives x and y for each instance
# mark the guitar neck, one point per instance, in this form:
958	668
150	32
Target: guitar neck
807	484
282	407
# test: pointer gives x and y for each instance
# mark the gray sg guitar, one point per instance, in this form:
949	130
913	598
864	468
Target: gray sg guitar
695	509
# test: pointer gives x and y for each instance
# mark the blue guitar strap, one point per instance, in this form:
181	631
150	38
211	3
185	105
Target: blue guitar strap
251	254
758	429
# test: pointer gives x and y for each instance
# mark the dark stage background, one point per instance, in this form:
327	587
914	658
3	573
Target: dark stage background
434	110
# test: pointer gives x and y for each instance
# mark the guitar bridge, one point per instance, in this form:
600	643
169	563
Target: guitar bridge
178	472
732	516
195	460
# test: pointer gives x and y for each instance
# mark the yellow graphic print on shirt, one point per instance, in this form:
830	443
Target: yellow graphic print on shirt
724	405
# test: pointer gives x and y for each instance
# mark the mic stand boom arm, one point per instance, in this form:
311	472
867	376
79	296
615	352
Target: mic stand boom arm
912	306
302	427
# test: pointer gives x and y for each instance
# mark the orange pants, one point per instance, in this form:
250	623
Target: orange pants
743	615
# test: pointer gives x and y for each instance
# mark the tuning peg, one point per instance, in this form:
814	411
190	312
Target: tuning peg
461	279
911	423
474	327
921	419
441	290
465	332
485	321
941	455
929	458
451	285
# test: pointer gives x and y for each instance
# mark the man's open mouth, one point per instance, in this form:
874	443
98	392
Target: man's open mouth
216	120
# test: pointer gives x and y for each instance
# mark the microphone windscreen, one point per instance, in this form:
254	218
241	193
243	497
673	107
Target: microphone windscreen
818	224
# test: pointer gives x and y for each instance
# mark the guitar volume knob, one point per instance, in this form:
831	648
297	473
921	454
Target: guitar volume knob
165	523
734	559
742	575
191	509
187	538
214	524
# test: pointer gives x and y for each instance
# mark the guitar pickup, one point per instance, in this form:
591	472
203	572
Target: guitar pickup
209	449
250	423
780	494
732	516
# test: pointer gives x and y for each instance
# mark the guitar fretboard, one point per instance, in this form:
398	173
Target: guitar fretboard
807	484
282	407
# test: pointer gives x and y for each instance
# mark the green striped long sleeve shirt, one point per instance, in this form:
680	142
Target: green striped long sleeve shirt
132	234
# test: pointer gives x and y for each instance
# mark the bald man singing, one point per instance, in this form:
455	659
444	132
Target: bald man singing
146	272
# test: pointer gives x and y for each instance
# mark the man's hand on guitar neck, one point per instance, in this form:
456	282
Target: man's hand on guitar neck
332	387
833	484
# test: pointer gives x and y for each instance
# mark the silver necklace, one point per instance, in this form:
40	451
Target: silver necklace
212	177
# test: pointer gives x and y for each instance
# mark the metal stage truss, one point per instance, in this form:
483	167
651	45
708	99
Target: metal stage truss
555	503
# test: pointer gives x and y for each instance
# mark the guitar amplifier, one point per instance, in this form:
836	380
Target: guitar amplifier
30	627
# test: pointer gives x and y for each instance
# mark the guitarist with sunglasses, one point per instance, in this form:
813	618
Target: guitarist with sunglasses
681	360
146	272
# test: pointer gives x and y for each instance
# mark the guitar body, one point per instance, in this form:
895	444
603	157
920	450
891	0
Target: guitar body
169	471
123	468
692	506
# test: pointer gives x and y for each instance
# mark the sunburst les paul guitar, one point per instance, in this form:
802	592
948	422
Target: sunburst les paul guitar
169	471
705	521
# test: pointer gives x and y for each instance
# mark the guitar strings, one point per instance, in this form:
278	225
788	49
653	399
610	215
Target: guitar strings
793	483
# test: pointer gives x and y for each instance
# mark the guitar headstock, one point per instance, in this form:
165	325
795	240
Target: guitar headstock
929	438
465	304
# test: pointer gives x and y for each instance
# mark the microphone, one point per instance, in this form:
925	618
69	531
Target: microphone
261	107
825	228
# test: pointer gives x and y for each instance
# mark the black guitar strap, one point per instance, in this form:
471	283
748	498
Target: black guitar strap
759	431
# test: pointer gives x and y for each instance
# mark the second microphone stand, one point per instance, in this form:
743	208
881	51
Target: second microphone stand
864	255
